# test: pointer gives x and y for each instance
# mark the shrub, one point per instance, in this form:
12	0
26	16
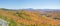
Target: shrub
0	16
56	18
22	24
12	23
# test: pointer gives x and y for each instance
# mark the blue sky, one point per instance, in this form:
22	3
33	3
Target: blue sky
36	4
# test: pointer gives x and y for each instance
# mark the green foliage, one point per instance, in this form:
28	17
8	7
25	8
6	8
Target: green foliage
22	24
12	23
5	18
23	15
27	17
56	18
34	24
0	16
19	14
0	24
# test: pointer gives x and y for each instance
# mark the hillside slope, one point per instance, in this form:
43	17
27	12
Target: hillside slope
30	18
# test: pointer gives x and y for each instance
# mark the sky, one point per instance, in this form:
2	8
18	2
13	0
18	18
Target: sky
35	4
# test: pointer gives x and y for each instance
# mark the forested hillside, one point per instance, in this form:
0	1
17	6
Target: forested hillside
30	17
